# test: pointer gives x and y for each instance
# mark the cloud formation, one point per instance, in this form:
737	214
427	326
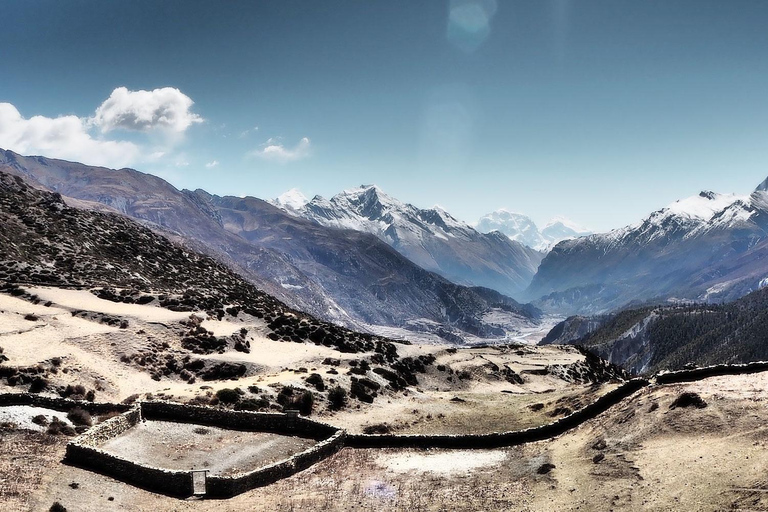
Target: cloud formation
167	108
70	137
211	165
275	151
64	137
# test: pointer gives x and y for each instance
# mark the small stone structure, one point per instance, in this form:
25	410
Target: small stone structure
84	450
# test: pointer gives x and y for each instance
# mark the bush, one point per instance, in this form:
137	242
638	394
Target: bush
306	402
80	416
337	397
228	396
284	396
57	507
252	404
75	392
58	427
316	380
378	428
38	385
40	419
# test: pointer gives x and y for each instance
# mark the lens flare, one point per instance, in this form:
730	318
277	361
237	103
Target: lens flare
469	23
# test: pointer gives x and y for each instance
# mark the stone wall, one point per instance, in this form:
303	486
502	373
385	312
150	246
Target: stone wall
238	420
227	486
499	439
59	404
84	450
710	371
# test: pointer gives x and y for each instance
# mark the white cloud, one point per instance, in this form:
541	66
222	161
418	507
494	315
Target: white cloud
275	151
64	137
211	165
77	138
166	108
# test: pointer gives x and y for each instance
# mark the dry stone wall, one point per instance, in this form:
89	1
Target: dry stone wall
710	371
60	404
84	450
499	439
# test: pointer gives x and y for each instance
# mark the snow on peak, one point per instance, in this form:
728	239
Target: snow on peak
762	187
565	222
702	206
291	200
521	228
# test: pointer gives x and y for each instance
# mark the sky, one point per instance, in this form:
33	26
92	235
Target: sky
598	110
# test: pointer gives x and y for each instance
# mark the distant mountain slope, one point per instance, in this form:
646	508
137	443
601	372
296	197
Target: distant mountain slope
431	238
521	228
46	242
655	338
708	247
341	276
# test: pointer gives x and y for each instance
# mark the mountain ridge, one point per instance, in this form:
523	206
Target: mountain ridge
704	247
432	238
345	279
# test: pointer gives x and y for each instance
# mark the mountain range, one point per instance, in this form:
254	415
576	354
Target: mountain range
521	228
706	248
343	276
431	238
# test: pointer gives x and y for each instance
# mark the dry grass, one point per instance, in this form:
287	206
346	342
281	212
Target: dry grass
25	458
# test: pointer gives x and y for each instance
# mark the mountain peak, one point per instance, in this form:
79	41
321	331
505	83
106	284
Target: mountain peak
762	187
291	200
521	228
559	220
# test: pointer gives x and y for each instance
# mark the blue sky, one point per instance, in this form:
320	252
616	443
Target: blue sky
599	110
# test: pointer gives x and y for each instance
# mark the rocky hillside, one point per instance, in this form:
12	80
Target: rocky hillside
46	242
349	278
649	339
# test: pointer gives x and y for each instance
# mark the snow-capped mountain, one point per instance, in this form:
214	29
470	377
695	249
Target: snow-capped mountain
705	247
521	228
290	201
561	228
431	238
349	278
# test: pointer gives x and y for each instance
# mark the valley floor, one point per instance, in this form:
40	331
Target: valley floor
639	455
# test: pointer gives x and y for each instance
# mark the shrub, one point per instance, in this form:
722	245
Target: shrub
252	404
80	416
57	507
75	392
337	397
38	384
378	428
285	395
316	380
40	419
228	396
58	427
306	402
